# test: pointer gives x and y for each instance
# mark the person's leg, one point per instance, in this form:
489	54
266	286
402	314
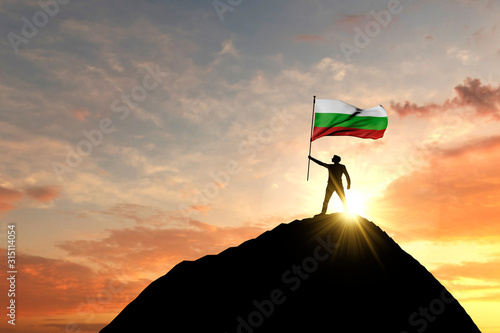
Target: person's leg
328	195
341	194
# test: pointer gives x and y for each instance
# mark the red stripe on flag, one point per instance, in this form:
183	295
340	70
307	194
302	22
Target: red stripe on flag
319	132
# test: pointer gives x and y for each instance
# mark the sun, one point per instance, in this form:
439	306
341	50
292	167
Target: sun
356	203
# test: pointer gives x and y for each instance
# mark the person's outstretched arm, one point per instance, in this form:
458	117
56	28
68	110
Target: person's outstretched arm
317	162
347	178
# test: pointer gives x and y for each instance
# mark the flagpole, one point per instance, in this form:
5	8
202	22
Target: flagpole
310	139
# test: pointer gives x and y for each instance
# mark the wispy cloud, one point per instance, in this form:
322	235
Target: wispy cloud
348	22
309	38
138	213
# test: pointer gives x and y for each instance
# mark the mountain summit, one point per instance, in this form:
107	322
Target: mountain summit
331	273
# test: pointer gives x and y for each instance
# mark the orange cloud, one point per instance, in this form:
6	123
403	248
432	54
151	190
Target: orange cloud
200	208
53	286
81	114
8	197
5	207
60	287
455	197
483	99
348	22
482	145
308	38
53	293
80	328
42	193
488	271
157	248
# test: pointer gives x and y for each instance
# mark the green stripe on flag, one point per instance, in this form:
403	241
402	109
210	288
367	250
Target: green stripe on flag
341	120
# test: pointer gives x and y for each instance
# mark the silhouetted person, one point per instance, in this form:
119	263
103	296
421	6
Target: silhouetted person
335	172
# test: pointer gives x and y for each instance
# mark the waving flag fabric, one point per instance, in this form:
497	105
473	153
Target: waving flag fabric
336	118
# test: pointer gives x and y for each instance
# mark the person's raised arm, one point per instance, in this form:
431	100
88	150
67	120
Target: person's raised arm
317	162
347	178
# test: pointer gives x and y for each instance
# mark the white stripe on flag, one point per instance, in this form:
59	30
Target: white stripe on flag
335	106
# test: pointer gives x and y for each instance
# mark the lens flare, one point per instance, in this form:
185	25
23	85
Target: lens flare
356	203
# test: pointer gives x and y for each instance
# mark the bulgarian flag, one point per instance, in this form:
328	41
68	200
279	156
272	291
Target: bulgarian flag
336	118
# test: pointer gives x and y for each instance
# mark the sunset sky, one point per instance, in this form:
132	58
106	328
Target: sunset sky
137	134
